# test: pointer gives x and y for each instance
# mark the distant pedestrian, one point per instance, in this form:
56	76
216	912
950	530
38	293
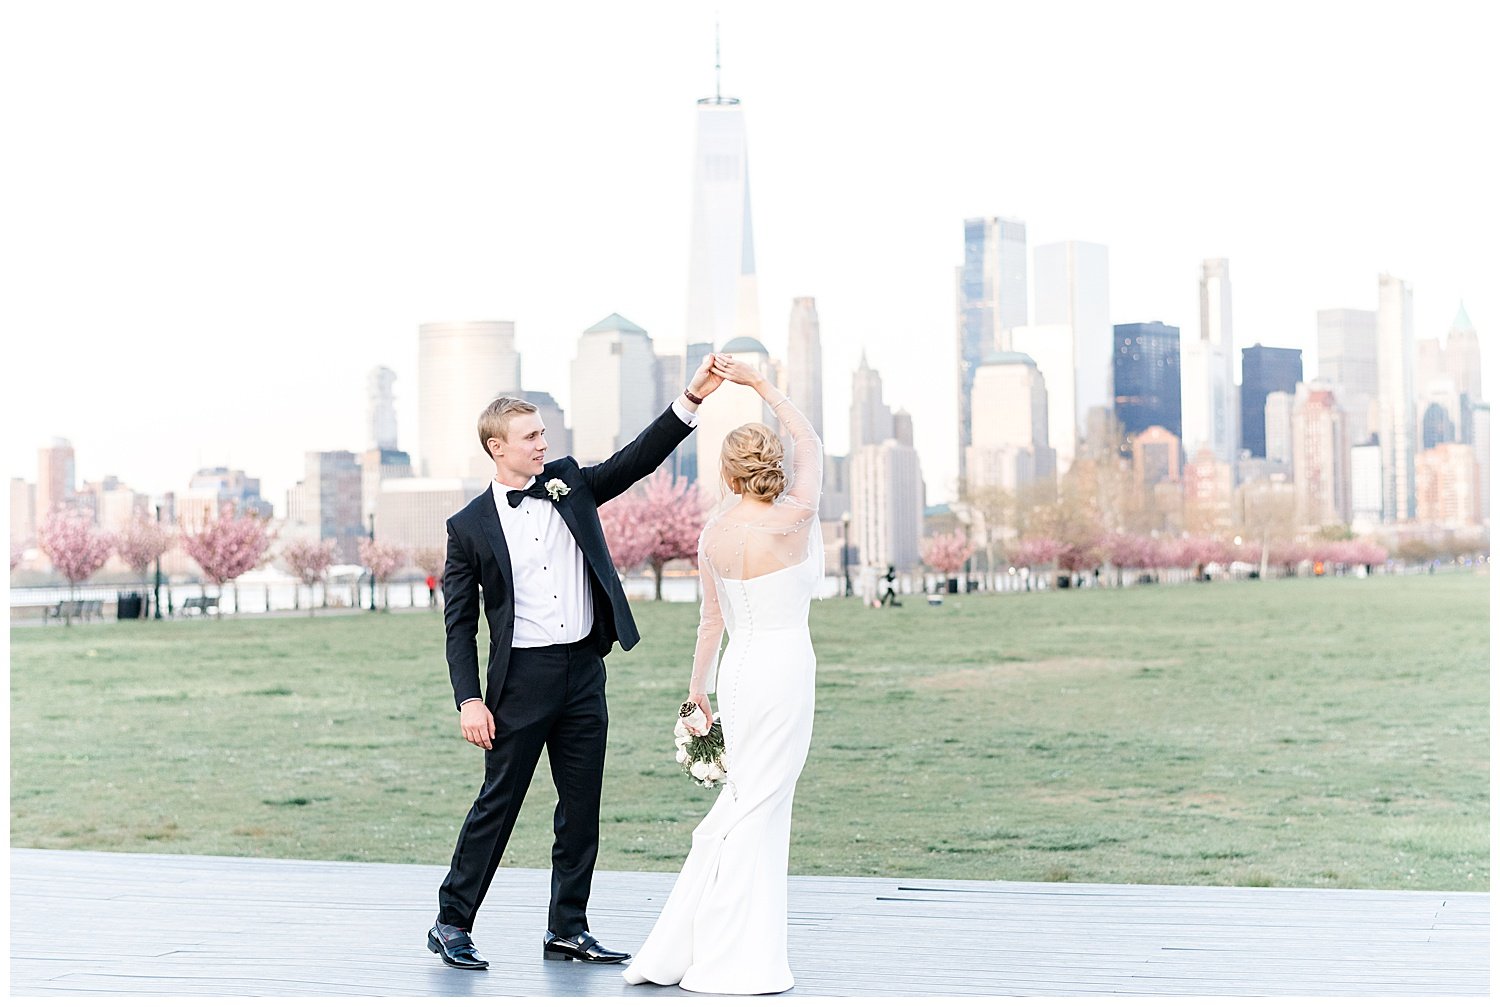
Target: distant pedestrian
889	597
431	591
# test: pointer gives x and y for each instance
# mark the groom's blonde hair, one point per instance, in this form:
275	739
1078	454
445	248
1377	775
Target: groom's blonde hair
495	420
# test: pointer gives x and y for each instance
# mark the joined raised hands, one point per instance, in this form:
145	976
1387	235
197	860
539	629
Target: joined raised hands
704	380
741	373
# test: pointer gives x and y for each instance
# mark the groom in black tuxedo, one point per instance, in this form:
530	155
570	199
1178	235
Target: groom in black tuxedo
531	550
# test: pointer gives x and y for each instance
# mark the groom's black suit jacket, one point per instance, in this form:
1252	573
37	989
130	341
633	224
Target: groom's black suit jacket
478	558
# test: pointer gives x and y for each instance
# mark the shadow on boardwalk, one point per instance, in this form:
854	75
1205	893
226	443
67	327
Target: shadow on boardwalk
124	923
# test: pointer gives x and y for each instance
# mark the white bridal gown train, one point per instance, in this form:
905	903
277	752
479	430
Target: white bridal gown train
723	929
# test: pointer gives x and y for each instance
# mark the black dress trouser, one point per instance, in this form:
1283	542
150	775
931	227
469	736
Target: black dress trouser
553	697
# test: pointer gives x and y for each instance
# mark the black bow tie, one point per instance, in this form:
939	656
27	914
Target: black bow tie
536	489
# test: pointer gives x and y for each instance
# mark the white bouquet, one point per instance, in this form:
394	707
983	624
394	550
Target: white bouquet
701	756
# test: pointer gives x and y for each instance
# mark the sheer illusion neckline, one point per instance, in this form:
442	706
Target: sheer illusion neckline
752	522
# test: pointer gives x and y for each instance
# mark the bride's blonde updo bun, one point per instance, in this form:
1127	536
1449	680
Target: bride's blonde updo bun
751	461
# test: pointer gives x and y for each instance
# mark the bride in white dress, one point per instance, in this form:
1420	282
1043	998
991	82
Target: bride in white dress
723	928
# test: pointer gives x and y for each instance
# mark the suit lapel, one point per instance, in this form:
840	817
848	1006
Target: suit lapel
489	520
565	510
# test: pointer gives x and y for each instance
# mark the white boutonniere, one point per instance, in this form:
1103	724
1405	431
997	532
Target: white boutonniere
556	489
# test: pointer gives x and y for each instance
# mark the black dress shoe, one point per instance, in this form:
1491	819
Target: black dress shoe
584	947
455	946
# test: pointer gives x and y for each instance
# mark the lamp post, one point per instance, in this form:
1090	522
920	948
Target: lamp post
372	569
156	590
844	555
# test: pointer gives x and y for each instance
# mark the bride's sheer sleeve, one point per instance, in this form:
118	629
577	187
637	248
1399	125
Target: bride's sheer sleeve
710	627
805	485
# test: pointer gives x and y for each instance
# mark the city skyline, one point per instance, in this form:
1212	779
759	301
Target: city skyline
305	227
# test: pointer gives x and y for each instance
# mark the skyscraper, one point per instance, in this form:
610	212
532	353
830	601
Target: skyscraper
614	388
1279	407
1347	357
1463	356
1011	413
329	501
869	416
55	477
1480	420
1398	421
902	429
1266	369
1216	307
380	411
1051	348
804	361
210	489
723	302
1147	377
1366	488
376	467
1208	390
1447	486
991	301
886	502
461	368
673	372
1072	290
1320	457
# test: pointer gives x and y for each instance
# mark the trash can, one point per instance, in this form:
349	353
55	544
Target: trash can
128	605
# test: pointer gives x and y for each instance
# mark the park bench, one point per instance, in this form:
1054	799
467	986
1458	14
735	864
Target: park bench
200	605
74	610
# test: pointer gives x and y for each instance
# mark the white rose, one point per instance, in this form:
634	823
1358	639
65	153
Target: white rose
714	772
701	770
680	730
682	756
681	742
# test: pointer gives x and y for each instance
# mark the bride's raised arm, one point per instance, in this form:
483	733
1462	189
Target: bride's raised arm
805	481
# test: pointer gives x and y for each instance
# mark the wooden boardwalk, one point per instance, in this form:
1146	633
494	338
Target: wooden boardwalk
135	924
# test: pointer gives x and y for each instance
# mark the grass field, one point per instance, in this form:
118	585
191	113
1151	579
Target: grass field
1292	733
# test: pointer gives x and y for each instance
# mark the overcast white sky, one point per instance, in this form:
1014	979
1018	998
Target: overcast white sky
218	217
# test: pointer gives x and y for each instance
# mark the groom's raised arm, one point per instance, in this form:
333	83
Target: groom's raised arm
642	456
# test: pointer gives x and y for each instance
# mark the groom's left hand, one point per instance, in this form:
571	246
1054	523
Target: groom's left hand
705	380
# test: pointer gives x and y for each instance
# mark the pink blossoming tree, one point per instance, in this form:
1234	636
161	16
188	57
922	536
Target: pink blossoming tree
1080	556
946	554
141	544
227	546
76	548
309	561
16	555
655	524
383	559
1033	555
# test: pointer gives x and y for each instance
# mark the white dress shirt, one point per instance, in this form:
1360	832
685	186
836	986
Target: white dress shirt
553	600
549	578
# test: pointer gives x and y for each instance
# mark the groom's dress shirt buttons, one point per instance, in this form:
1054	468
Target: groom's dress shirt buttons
549	577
